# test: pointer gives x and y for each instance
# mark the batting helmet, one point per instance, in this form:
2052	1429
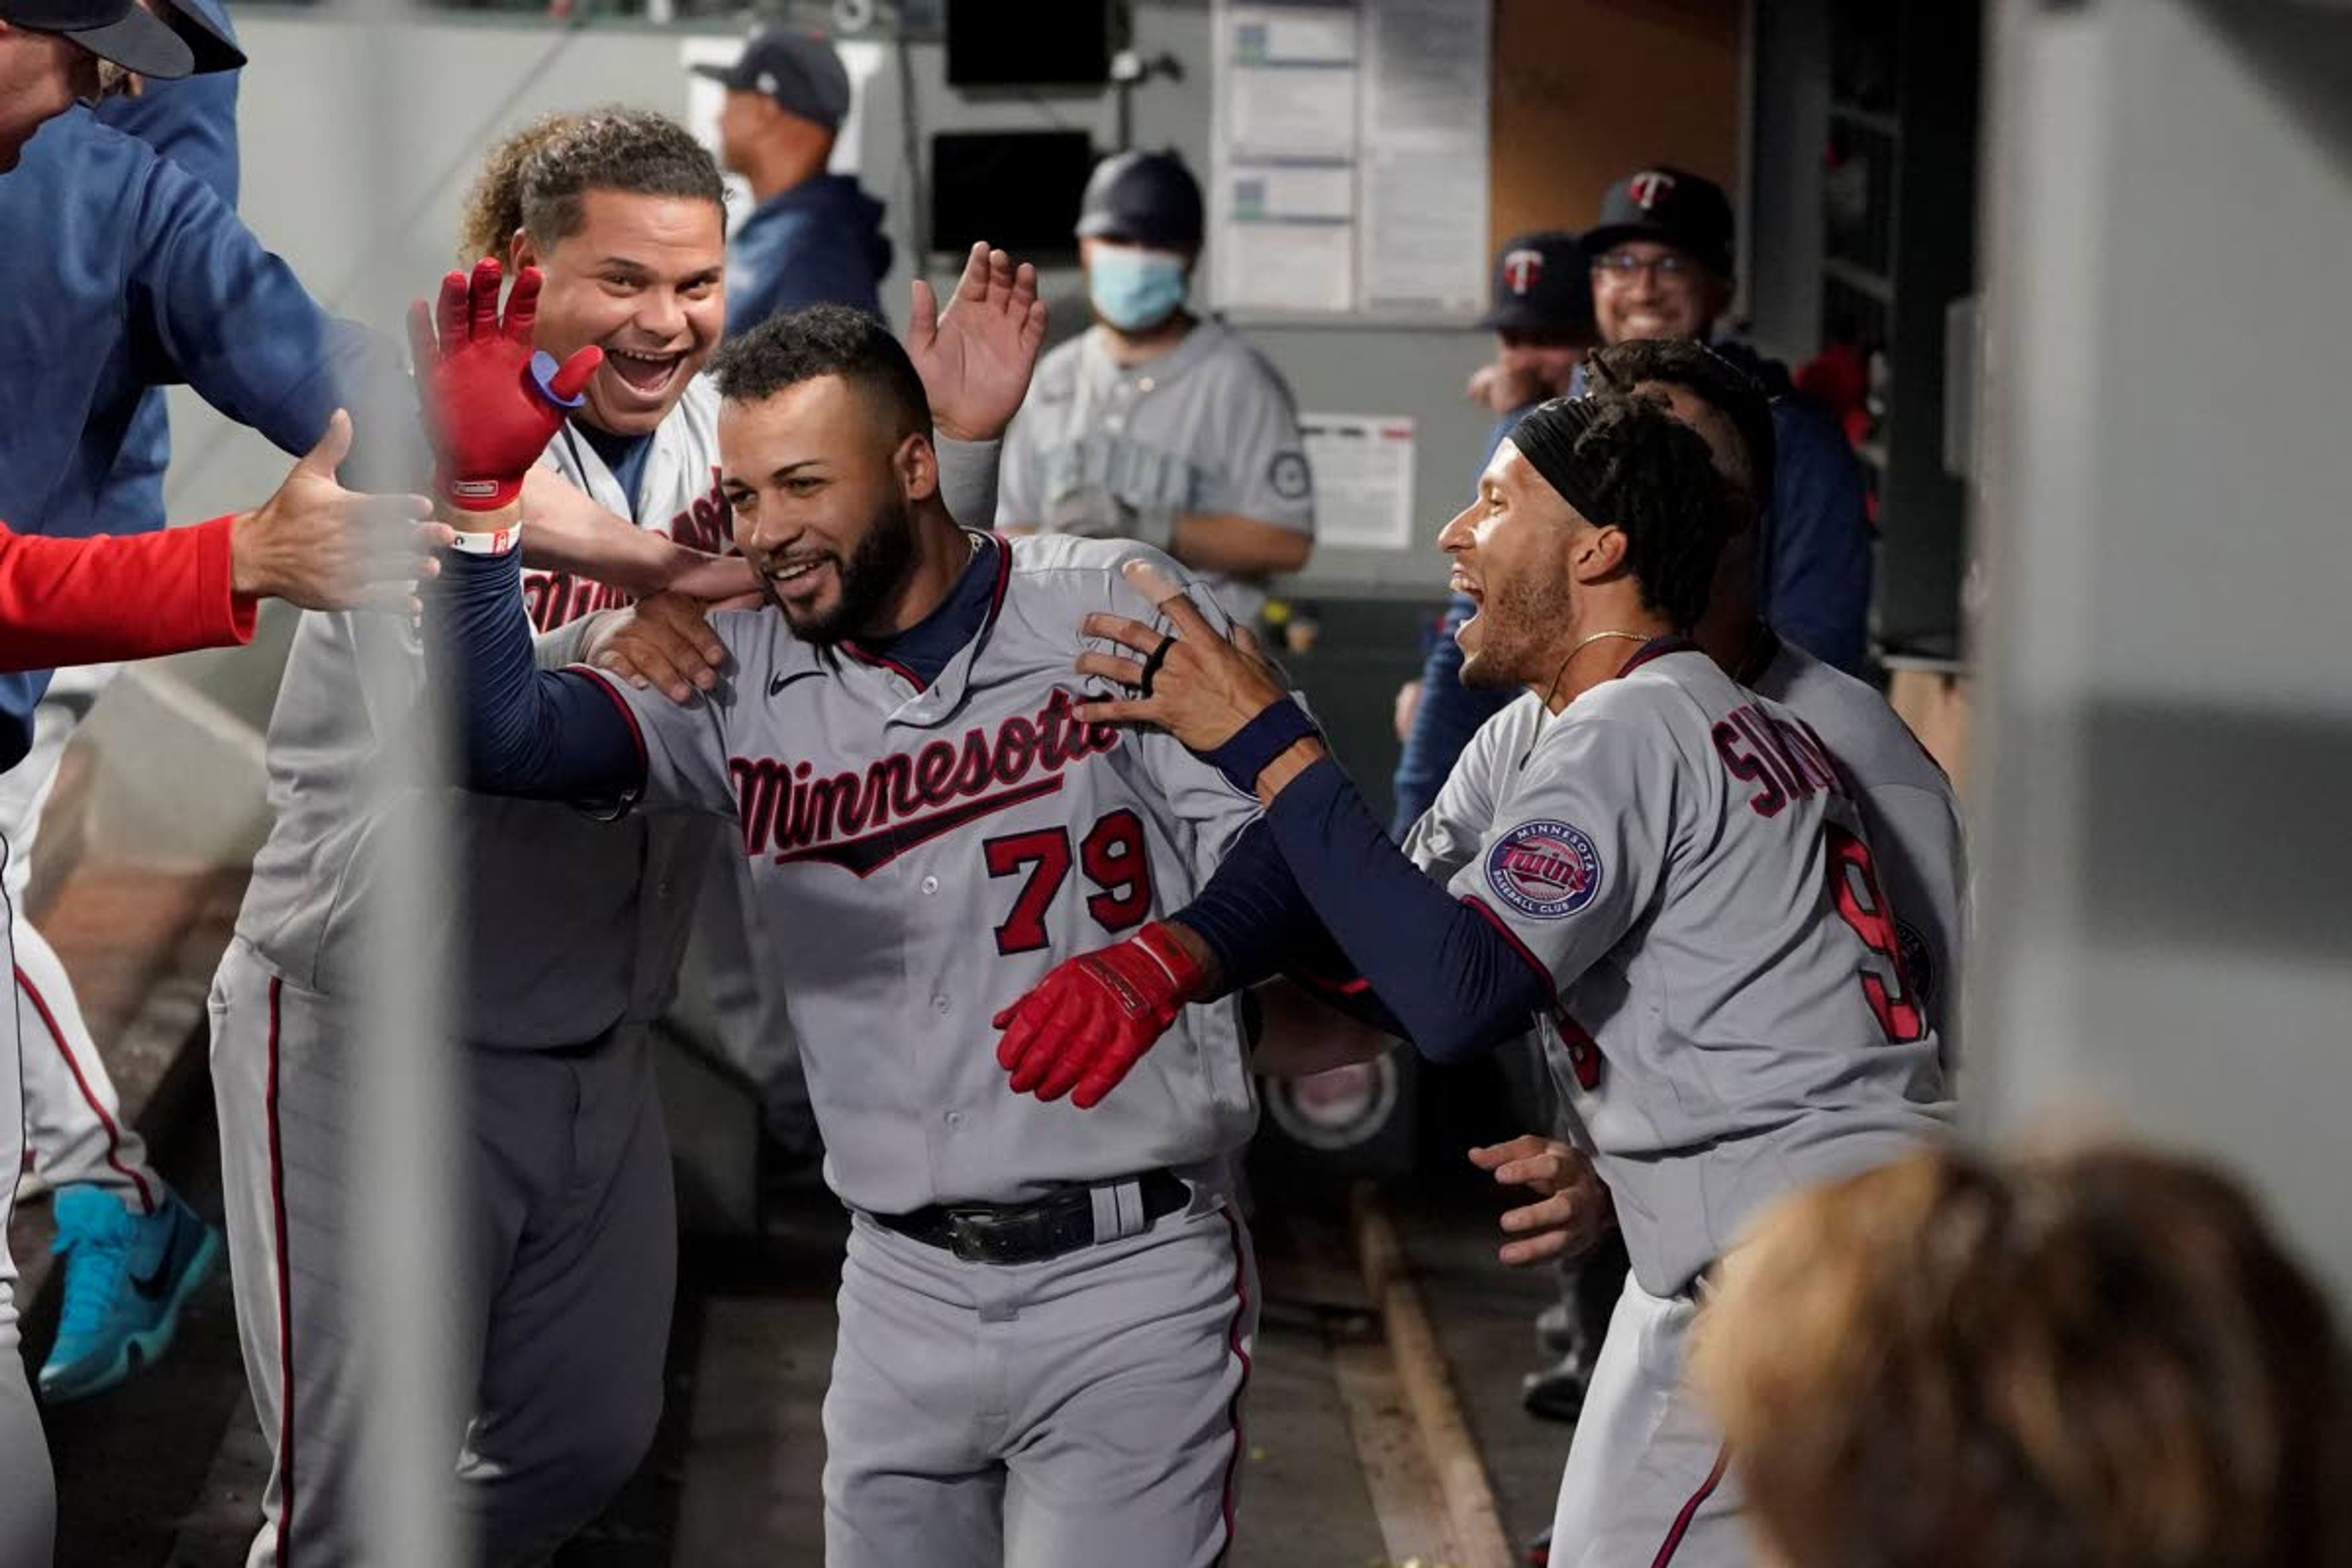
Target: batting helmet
1147	198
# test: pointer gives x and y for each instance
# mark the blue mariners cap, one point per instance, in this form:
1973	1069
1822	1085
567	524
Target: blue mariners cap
800	70
122	31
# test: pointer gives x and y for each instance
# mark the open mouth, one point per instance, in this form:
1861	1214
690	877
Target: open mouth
646	374
796	579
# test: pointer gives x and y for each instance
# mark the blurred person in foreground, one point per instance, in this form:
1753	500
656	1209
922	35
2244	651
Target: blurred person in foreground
2100	1358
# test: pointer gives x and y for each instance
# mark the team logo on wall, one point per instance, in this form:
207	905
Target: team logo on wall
1343	1109
1544	870
1522	270
1649	188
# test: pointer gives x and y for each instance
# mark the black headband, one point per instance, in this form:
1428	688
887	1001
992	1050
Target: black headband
1548	439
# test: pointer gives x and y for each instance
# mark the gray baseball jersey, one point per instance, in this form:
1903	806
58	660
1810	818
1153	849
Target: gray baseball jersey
1908	812
1208	427
933	851
1685	861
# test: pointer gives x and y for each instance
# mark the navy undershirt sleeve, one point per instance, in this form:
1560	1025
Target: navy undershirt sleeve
522	731
1456	984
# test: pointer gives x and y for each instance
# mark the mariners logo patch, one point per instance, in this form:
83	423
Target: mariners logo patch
1288	475
1544	870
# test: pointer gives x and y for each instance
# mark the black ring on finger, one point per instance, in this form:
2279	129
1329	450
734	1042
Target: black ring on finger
1153	661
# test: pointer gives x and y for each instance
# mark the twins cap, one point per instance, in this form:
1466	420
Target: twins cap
1671	205
799	70
1148	198
122	31
1542	284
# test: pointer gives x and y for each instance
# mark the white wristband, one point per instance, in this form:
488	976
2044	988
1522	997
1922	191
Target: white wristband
493	541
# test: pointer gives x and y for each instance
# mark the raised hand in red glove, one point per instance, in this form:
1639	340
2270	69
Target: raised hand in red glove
1090	1019
491	402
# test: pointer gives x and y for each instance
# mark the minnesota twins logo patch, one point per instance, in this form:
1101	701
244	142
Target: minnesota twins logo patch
1544	870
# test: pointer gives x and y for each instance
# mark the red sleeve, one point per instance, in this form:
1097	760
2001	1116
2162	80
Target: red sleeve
97	600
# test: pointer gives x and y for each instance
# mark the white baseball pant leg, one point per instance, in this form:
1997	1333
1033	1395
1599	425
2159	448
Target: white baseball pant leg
1645	1484
28	1493
73	1117
569	1249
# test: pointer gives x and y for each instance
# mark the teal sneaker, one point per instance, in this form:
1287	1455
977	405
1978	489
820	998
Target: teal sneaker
127	1277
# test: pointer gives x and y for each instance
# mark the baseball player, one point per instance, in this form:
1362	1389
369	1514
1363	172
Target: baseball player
568	1241
1157	425
1666	871
1045	1316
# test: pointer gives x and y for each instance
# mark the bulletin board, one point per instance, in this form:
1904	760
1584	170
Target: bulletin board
1370	156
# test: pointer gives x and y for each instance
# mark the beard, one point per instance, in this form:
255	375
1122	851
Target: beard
875	572
1512	637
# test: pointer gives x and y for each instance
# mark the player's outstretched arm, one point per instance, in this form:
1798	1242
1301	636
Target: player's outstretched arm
568	532
490	405
97	600
1457	984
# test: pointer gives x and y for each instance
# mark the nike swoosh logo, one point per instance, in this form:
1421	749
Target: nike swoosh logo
151	1287
777	683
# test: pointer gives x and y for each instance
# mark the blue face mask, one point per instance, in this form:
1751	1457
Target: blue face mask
1134	288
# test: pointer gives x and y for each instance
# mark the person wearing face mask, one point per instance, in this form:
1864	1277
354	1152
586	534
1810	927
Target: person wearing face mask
1157	425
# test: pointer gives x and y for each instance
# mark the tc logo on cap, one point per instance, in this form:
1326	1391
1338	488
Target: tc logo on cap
1522	270
1649	188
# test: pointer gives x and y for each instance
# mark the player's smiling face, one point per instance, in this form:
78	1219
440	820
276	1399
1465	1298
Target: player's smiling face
1513	550
1663	293
823	497
640	278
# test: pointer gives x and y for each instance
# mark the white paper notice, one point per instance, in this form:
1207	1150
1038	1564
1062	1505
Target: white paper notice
1363	465
1422	226
1288	75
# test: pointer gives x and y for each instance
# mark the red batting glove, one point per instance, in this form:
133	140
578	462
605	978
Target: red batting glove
491	404
1093	1018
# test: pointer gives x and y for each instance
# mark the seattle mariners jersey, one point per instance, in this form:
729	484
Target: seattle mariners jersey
1682	858
933	852
1909	813
1208	427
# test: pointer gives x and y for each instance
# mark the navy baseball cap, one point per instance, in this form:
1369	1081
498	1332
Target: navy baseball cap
799	70
1145	198
122	31
1542	284
1673	207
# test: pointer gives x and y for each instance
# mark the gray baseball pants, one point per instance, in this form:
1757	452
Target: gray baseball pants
1067	1414
568	1245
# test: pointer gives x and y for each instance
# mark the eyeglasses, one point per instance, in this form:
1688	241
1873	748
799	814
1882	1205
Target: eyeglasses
1623	265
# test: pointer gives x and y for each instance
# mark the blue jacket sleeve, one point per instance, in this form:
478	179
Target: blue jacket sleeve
1454	982
1448	714
1817	557
209	306
522	731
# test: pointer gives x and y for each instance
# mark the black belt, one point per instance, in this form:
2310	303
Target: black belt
1031	1232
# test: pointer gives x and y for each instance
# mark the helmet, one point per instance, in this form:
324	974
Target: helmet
1148	198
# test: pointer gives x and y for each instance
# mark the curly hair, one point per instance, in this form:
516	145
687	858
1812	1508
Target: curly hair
493	206
825	340
2090	1358
1707	376
1626	463
537	178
